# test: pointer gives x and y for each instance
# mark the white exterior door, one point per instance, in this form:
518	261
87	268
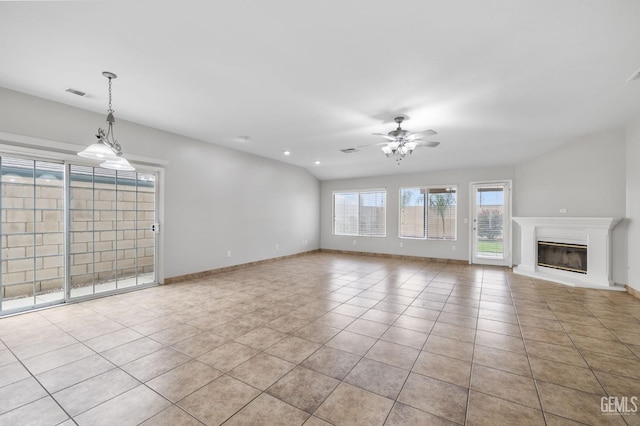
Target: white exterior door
491	223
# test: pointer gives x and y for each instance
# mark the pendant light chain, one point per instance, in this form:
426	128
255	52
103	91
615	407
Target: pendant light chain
110	108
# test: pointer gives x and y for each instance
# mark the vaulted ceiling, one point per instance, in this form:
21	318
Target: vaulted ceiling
501	81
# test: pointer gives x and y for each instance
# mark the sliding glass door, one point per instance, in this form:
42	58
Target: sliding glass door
72	231
112	244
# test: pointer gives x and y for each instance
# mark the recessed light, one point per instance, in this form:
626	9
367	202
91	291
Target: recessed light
286	153
317	162
243	138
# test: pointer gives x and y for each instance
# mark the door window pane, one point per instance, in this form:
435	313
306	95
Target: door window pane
111	217
32	229
489	222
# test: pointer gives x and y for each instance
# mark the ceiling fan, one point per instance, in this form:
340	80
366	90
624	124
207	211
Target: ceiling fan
401	142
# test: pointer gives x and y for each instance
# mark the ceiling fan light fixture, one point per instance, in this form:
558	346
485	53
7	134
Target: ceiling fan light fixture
402	142
410	146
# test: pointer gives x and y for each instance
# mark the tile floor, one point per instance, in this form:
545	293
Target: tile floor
327	339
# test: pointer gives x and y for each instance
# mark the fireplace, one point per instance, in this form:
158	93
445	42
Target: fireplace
566	257
574	251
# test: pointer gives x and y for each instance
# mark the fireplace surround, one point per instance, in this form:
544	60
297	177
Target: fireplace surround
574	251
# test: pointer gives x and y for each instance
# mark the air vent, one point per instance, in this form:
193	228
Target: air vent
75	92
349	150
634	76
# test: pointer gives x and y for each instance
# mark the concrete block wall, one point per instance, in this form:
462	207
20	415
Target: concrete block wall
32	236
107	223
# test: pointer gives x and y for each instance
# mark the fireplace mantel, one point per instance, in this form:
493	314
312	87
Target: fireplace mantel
594	232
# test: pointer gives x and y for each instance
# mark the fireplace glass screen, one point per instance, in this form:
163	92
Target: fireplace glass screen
567	257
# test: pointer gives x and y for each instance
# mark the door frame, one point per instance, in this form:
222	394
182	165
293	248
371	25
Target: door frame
53	151
507	226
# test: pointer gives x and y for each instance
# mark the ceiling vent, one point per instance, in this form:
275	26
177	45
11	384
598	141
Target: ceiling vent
634	76
349	150
75	92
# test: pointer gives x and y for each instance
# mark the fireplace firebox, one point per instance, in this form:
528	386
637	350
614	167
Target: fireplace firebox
566	257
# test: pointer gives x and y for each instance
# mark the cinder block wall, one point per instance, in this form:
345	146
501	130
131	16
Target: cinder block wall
115	221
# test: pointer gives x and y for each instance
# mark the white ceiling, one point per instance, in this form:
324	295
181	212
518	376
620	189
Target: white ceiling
500	80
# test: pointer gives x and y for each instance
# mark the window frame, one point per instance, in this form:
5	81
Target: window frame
359	192
426	189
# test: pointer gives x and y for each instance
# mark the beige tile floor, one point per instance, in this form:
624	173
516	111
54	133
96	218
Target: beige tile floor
327	339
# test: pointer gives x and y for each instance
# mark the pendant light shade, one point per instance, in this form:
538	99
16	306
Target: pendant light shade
98	151
120	163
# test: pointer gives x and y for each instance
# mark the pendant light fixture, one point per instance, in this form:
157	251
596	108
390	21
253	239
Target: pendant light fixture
107	149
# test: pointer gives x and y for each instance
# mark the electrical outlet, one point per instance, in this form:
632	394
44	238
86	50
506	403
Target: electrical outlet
228	253
277	246
401	244
354	242
563	210
453	248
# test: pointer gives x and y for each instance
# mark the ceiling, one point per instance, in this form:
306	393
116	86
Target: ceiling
501	81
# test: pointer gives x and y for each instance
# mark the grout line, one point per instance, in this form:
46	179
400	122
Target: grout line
574	347
473	354
416	360
526	353
39	383
395	289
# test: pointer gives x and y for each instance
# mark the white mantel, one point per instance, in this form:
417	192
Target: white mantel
594	232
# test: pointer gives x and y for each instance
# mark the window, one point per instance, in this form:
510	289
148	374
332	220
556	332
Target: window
428	213
360	213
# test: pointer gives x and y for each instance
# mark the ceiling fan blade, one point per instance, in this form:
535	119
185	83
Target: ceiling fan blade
428	132
372	144
384	135
430	144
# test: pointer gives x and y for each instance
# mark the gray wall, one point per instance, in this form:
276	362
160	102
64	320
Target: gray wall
587	177
633	203
391	243
216	199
